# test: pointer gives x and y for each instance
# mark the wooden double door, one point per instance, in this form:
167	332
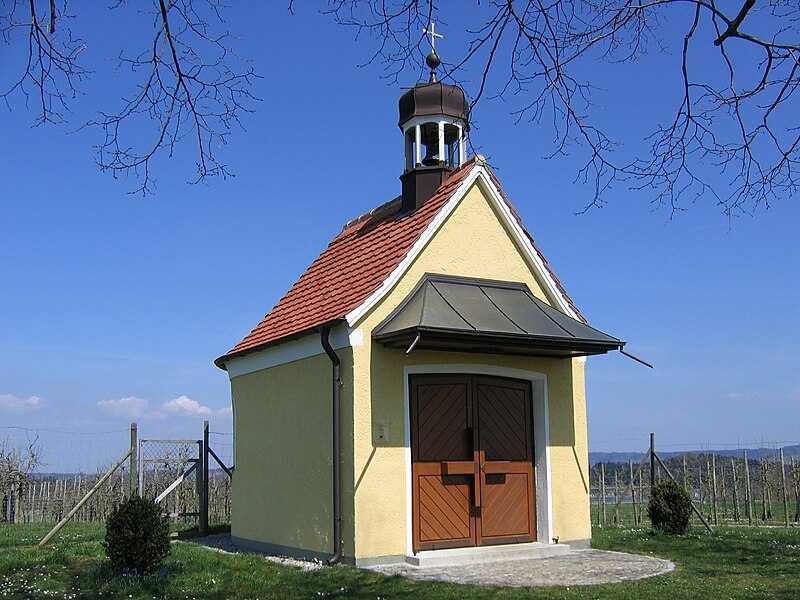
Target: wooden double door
472	461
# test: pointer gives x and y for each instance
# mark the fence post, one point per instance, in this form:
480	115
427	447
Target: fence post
736	514
783	485
748	491
133	482
633	493
603	492
652	461
714	487
796	481
141	469
204	500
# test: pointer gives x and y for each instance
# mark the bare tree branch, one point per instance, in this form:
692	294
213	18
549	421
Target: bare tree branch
17	463
194	85
739	129
51	74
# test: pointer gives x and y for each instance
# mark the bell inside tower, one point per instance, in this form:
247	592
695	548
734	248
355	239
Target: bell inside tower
440	144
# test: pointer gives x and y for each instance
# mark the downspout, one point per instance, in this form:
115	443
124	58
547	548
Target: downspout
337	449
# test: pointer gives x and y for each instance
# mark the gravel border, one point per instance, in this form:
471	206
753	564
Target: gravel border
578	568
221	542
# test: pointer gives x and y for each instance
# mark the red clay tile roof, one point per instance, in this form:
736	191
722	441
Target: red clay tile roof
353	266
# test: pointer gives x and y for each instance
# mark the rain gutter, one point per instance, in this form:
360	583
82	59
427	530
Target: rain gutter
337	447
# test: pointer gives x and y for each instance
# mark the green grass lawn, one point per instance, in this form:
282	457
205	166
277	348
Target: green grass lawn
736	563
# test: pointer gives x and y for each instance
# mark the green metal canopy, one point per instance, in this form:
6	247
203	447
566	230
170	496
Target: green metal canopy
479	315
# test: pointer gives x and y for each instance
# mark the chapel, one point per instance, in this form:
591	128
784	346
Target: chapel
419	393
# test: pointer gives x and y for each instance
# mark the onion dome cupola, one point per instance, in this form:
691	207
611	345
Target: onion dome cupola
434	118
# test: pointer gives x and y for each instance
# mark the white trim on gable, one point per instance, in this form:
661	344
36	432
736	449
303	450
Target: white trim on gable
478	174
512	222
305	347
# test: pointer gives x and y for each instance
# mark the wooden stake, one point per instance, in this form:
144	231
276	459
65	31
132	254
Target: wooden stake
630	484
735	485
700	482
783	486
685	475
724	492
633	493
641	492
763	490
768	488
603	492
714	487
748	494
653	477
796	479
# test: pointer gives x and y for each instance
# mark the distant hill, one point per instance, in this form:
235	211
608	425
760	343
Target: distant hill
636	457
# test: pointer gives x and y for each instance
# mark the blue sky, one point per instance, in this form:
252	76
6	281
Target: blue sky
113	305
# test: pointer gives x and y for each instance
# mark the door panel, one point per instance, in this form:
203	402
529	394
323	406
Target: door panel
442	416
506	442
443	463
505	512
472	462
503	414
444	509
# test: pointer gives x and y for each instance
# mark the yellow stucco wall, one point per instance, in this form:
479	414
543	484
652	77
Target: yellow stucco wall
569	454
472	242
282	486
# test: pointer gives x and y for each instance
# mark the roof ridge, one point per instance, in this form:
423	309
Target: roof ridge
386	206
375	211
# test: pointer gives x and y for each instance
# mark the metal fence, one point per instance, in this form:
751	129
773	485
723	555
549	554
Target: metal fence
736	488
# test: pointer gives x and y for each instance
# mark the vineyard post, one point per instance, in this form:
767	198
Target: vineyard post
714	487
652	461
764	489
685	474
724	492
748	497
700	481
735	485
768	487
796	480
603	492
783	485
633	494
641	495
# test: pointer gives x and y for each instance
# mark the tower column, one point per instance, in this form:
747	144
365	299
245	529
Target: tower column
417	145
442	155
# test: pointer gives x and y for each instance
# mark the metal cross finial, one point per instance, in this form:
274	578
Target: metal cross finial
433	34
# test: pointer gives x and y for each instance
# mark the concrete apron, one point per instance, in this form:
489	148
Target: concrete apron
568	568
482	554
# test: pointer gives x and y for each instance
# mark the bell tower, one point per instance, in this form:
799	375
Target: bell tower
434	118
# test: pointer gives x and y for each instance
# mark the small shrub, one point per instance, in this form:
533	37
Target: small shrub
670	507
137	536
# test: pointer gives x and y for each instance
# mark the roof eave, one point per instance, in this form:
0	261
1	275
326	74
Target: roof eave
220	362
527	343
